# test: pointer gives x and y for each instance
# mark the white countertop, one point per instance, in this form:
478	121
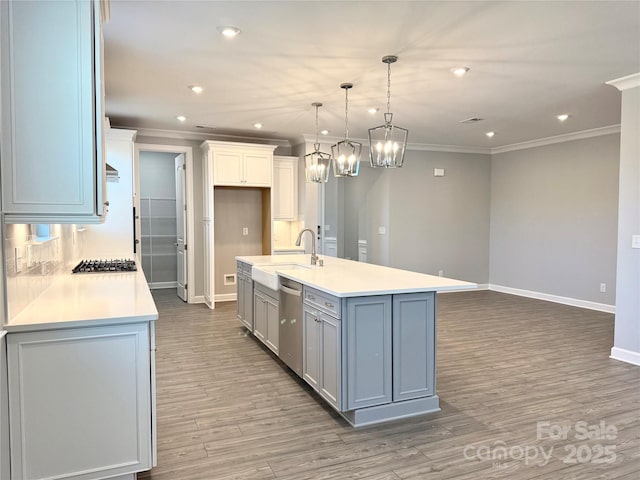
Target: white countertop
91	299
347	278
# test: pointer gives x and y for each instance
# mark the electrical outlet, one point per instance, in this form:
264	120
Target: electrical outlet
382	230
635	241
440	273
245	231
229	279
603	287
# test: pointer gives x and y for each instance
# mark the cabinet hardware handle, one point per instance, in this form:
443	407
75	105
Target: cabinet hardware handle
106	204
311	297
330	305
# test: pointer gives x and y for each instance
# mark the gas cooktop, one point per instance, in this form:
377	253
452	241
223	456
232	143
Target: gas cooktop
102	266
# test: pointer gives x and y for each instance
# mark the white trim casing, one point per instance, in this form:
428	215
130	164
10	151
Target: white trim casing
188	152
574	302
625	356
625	83
198	299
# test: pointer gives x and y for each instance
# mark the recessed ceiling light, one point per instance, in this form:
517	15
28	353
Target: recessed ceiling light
181	118
197	89
490	134
325	132
257	125
228	31
459	71
373	110
563	117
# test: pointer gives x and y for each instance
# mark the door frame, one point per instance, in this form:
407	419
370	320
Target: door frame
189	193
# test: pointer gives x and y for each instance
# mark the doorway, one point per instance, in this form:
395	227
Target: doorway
163	215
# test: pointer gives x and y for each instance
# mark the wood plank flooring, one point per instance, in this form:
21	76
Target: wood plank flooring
228	409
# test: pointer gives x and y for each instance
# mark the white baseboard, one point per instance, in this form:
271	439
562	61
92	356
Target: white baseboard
225	297
481	286
574	302
159	285
198	299
625	356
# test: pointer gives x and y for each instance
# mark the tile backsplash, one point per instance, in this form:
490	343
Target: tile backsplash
35	256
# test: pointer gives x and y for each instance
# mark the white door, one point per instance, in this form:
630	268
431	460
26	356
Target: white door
181	227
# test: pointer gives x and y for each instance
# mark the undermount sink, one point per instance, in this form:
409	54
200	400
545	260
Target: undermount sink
267	274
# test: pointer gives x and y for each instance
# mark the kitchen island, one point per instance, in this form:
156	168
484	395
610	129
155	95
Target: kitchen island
81	371
368	336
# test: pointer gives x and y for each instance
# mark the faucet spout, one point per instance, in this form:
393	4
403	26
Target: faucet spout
314	256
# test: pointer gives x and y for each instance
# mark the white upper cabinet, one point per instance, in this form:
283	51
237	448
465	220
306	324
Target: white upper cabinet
240	164
285	188
52	111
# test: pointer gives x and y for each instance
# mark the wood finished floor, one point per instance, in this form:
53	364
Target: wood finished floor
228	410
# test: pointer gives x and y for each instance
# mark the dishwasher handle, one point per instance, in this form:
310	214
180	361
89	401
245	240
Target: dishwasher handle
291	291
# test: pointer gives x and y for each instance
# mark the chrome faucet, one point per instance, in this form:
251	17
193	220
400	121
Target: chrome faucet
314	256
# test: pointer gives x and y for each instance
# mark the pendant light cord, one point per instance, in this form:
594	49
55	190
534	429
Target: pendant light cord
317	142
388	88
346	114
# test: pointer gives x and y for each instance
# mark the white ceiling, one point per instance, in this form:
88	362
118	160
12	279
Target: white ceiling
529	61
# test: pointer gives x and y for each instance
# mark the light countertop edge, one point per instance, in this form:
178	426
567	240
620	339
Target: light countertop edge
348	278
88	300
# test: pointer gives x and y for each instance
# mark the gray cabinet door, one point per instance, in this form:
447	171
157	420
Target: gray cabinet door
79	402
330	364
240	295
51	84
259	316
247	294
273	324
413	345
310	346
368	351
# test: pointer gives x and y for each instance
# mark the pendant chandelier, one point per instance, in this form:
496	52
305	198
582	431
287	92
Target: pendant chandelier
346	153
387	142
316	163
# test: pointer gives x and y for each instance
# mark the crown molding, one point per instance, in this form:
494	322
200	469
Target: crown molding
199	137
594	132
426	147
625	83
121	134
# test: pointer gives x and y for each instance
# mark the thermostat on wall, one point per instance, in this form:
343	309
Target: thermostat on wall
438	172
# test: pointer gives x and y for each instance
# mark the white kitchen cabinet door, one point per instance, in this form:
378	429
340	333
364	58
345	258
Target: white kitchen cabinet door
257	169
80	402
52	138
285	188
228	169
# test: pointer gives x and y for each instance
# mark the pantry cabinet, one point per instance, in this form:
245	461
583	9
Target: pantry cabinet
52	154
240	169
80	402
285	188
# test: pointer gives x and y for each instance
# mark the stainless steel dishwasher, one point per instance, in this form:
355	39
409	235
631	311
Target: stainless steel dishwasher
290	340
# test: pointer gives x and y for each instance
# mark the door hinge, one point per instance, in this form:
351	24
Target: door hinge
185	208
185	246
186	285
184	166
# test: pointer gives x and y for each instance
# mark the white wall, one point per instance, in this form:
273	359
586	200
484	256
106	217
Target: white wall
114	238
627	327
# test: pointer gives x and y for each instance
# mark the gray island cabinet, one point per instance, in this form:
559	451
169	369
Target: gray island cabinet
368	336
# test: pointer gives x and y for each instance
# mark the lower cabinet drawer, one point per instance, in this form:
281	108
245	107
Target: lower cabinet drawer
323	301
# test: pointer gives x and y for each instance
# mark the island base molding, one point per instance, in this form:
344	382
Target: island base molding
392	411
